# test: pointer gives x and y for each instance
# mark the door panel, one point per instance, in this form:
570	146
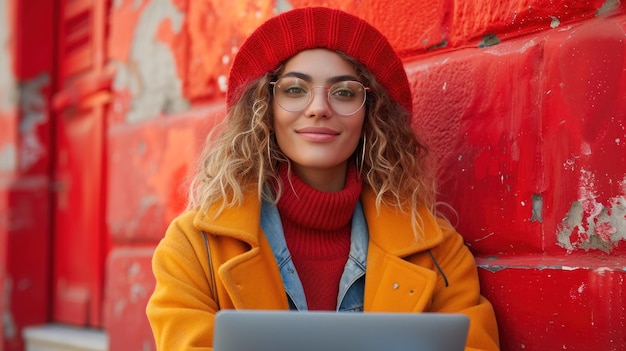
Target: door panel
80	105
79	211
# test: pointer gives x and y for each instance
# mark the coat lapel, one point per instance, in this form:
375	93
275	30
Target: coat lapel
395	285
392	283
253	281
247	267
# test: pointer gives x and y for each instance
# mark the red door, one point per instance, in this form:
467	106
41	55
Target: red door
79	207
80	243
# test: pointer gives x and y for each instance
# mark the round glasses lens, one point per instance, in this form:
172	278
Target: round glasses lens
346	97
294	94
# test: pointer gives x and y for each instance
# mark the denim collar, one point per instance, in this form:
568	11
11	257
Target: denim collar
351	285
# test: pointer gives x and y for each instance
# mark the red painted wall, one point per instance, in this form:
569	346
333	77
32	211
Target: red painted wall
521	101
529	135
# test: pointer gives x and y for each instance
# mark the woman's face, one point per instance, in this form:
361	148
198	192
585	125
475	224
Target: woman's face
318	139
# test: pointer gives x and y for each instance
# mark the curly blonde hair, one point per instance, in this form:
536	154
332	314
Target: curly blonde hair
242	153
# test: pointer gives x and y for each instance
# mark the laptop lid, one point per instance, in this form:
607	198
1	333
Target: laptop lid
248	330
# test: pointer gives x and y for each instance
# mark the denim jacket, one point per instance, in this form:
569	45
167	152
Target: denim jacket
352	283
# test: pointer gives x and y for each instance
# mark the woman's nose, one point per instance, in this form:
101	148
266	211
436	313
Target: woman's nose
319	106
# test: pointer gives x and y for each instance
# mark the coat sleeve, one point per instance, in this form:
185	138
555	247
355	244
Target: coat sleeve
181	311
462	295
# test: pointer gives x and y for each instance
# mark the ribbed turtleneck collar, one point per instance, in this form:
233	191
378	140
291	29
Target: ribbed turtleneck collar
316	209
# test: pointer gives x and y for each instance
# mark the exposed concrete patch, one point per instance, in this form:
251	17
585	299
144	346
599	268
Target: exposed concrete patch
608	7
34	107
118	3
537	208
8	158
282	6
489	40
151	75
554	22
7	78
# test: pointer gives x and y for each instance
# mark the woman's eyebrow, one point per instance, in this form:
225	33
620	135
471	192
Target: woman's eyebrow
331	80
300	75
342	78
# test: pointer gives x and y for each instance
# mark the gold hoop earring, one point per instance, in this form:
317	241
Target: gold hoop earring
362	163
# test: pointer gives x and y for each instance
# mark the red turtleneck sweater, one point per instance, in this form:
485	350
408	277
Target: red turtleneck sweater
317	228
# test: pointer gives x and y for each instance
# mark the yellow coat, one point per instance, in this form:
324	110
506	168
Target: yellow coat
400	275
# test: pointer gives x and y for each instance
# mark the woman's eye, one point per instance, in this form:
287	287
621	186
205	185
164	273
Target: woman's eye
343	93
295	91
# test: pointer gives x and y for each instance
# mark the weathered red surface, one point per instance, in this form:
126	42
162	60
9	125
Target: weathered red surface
24	160
164	151
520	139
529	135
568	303
127	292
471	20
24	246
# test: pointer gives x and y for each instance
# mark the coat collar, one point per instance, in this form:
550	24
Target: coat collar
391	239
389	228
241	223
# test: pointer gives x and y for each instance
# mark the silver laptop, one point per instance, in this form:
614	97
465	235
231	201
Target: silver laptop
248	330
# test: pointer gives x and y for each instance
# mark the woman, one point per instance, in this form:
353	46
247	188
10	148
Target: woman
315	195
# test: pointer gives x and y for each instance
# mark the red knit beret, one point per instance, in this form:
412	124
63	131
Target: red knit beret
285	35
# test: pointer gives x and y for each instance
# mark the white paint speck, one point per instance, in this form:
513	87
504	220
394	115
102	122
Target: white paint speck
222	82
585	149
555	22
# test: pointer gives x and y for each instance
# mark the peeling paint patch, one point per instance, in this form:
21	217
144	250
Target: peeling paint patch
7	78
8	322
33	105
497	268
591	225
489	40
151	75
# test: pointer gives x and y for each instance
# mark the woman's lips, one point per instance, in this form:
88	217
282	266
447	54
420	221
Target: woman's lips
319	134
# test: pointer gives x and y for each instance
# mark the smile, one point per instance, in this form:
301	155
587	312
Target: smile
318	134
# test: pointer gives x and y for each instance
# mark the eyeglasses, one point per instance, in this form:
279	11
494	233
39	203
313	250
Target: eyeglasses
293	94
